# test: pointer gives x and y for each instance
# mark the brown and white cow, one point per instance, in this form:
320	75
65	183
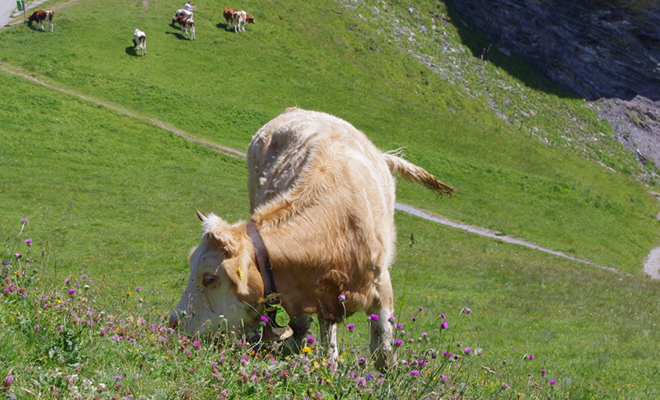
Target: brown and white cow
182	13
140	42
238	20
39	17
322	222
187	26
228	13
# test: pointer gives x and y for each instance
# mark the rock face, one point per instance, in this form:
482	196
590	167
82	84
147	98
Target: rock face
600	49
597	48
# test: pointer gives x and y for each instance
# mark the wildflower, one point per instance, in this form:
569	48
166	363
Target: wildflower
467	311
362	360
72	291
350	327
118	378
421	363
442	316
67	281
17	255
138	288
28	241
531	356
264	319
504	362
8	381
391	319
398	342
369	376
342	298
373	317
414	319
543	372
444	377
24	221
414	372
5	262
197	344
37	328
424	335
552	383
444	325
310	340
420	309
362	382
399	325
467	350
60	328
306	350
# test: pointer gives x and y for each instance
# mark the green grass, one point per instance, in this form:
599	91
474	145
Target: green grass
115	197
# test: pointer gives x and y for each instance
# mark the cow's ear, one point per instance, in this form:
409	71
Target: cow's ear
224	244
237	270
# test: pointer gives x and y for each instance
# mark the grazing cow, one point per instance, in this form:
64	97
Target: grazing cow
238	20
187	26
182	13
320	240
229	16
39	17
140	42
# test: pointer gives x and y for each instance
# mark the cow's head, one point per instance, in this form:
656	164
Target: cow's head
249	19
225	288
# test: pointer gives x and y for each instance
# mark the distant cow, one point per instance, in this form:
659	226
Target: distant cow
187	26
140	42
239	20
182	13
320	240
39	17
229	16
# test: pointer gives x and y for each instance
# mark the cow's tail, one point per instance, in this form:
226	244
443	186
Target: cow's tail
414	173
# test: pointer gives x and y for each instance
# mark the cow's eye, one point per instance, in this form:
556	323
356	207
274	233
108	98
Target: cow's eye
209	279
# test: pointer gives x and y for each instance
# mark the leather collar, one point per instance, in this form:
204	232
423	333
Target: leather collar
263	262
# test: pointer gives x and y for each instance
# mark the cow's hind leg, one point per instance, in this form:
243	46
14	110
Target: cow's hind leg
329	338
382	332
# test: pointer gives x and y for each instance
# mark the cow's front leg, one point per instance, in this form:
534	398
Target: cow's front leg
329	338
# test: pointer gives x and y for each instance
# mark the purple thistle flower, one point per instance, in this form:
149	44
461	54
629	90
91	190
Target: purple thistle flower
467	350
8	381
17	255
138	288
362	360
67	281
543	372
350	327
368	376
414	319
391	319
362	382
399	325
342	298
310	340
467	311
72	291
424	334
444	325
398	342
552	383
28	241
37	328
118	378
420	309
25	221
442	316
373	317
85	276
531	356
414	372
444	377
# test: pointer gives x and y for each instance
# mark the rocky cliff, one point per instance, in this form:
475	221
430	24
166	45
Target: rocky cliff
600	49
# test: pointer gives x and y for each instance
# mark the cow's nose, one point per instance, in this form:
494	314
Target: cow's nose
174	321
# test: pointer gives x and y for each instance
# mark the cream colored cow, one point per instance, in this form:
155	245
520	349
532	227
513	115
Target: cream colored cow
322	199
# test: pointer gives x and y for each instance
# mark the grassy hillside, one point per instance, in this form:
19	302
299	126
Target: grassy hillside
114	197
328	56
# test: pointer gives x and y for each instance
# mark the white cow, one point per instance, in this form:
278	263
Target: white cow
140	42
187	26
321	237
182	13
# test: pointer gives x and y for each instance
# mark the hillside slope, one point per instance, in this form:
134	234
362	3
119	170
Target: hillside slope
401	74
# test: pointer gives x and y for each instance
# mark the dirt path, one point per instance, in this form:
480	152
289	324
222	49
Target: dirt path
653	260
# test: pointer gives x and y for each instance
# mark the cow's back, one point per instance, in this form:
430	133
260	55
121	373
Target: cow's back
334	174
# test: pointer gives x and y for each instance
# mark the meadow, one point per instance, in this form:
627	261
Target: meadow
113	197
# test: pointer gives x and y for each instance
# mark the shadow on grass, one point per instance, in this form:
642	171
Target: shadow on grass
177	34
130	50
